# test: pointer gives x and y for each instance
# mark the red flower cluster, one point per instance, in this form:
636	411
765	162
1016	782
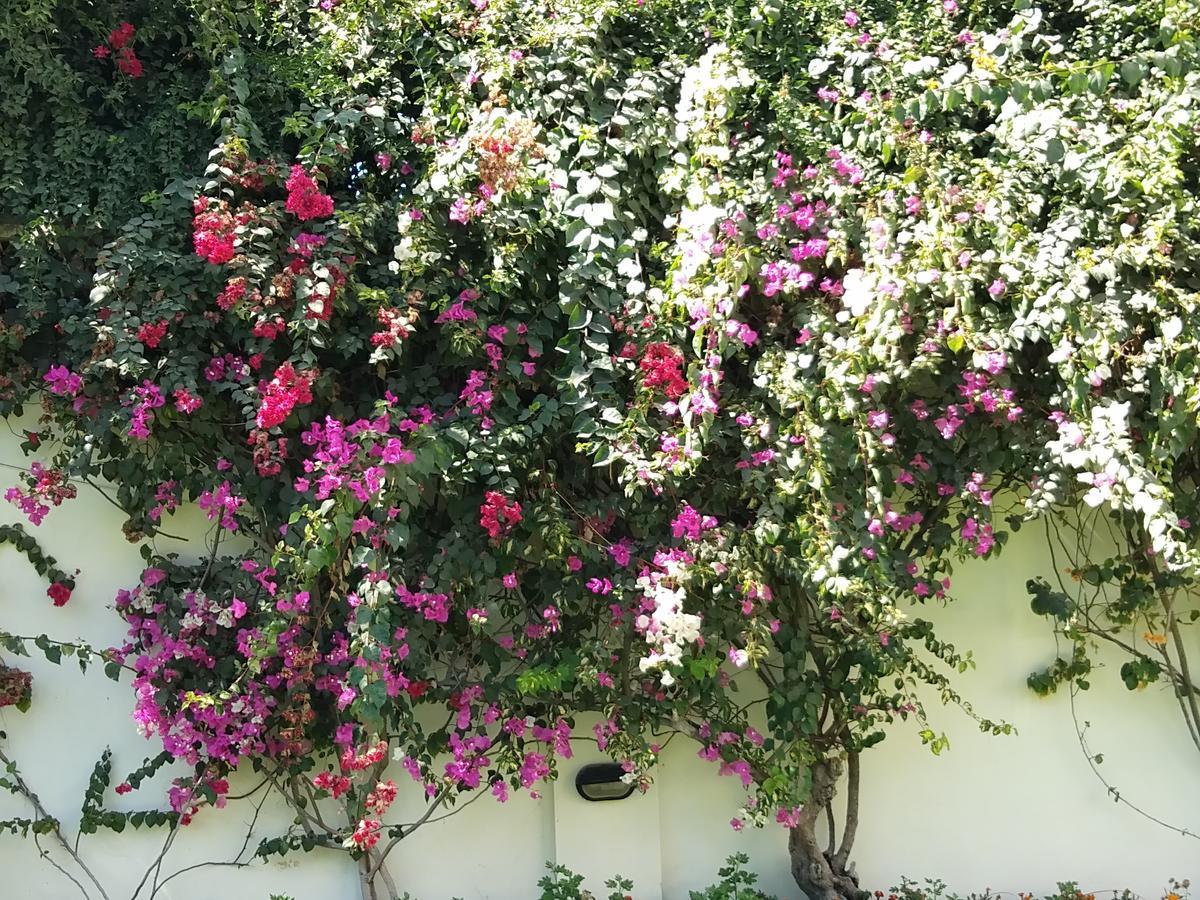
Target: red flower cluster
320	305
235	290
395	327
366	835
282	394
186	402
661	364
120	36
376	753
269	329
212	230
120	39
15	686
268	455
381	797
60	593
498	514
249	174
335	784
152	333
305	199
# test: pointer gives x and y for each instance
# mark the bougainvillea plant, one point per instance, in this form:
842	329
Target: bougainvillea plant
598	357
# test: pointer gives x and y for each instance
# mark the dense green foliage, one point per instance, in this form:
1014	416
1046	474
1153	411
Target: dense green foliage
600	358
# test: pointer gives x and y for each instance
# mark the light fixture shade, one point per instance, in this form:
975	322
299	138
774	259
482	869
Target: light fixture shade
602	781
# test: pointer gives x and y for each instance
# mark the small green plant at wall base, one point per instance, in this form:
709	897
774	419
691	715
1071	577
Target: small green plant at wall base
737	882
564	884
560	884
935	889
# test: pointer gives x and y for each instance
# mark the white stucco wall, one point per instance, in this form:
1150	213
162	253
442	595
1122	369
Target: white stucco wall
1015	813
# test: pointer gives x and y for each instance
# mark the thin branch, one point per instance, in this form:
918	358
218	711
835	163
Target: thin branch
45	854
156	863
154	531
1113	792
29	795
852	800
1190	696
832	829
212	557
236	861
313	804
250	793
74	645
304	815
161	858
437	801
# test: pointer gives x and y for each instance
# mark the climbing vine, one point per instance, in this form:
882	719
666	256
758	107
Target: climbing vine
597	358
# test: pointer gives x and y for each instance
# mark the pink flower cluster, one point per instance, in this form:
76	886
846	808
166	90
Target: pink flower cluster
166	499
283	393
559	736
234	290
213	230
462	210
349	457
63	381
190	731
186	402
145	399
458	311
432	606
305	200
59	593
366	834
394	324
475	393
304	244
334	784
894	521
979	534
222	503
498	515
691	524
844	168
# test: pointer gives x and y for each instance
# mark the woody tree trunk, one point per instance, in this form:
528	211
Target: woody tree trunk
826	874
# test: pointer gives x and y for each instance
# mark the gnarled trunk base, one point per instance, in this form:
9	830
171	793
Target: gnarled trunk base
822	875
814	873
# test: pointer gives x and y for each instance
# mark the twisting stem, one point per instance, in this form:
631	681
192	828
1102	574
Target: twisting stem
154	885
437	802
29	795
154	866
305	817
832	829
45	854
1185	689
851	827
1080	732
1188	696
156	531
235	862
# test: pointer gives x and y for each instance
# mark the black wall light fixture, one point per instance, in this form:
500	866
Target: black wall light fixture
602	781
